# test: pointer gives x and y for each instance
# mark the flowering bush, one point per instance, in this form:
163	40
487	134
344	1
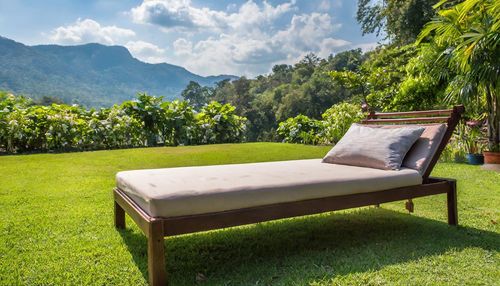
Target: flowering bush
177	123
218	123
113	128
336	121
301	129
338	118
25	127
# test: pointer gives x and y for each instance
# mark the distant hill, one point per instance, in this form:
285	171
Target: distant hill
91	74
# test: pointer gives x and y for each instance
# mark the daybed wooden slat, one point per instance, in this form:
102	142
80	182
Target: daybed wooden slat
156	228
411	113
406	120
452	124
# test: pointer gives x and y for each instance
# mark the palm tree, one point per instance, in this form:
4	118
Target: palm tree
468	36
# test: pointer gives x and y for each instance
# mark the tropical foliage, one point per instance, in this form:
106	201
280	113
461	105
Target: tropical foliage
336	121
301	129
399	20
26	127
467	38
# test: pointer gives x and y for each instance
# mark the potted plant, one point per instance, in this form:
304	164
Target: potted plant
472	139
466	36
493	155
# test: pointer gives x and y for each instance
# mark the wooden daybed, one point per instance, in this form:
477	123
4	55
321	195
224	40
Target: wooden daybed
168	214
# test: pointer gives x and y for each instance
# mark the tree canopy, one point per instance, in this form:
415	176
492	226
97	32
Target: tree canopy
400	21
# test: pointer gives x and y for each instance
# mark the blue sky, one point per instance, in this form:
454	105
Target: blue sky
207	37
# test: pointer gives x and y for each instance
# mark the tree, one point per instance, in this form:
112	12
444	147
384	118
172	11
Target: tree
384	70
48	100
355	81
223	91
468	36
347	60
282	73
400	20
421	89
304	69
322	93
196	95
241	98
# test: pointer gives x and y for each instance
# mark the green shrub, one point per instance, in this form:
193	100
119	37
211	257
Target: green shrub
336	121
218	123
338	118
301	129
149	120
113	128
177	123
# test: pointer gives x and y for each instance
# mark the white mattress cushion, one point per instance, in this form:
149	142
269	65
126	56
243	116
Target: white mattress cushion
205	189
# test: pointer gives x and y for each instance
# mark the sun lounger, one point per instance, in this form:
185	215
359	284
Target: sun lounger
173	201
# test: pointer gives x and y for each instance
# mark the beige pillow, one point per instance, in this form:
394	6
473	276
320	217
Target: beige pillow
421	153
379	148
425	148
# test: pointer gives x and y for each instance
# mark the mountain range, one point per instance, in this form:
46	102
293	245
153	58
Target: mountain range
92	75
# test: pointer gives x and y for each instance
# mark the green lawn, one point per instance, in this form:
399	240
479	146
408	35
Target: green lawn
56	228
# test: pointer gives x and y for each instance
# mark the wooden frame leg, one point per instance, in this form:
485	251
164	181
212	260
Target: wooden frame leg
119	216
156	254
410	206
452	204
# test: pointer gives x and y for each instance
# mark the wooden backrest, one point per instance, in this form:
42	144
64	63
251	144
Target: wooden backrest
449	116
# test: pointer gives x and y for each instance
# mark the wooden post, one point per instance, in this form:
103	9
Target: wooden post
156	254
452	203
119	216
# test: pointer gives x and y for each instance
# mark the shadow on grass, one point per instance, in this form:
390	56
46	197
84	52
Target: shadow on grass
303	249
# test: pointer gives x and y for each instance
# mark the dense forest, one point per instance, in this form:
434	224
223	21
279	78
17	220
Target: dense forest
389	78
432	56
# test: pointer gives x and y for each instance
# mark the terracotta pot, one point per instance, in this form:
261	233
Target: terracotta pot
491	157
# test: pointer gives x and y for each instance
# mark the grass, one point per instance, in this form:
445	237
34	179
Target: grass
56	228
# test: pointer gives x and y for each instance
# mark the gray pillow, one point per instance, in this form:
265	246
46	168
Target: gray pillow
377	148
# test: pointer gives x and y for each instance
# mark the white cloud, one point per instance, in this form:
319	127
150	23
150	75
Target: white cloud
366	46
326	5
146	52
330	45
254	51
89	31
182	47
181	14
307	31
246	39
